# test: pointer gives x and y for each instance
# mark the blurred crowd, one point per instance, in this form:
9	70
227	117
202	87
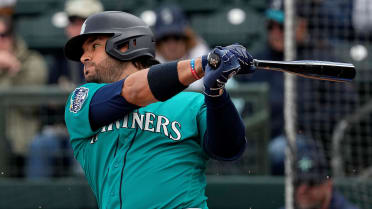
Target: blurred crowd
39	148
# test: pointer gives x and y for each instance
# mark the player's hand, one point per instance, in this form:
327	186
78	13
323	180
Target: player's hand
245	59
215	79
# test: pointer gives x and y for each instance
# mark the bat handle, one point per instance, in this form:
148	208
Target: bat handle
214	60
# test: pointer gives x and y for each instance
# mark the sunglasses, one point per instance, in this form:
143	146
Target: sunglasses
73	19
172	37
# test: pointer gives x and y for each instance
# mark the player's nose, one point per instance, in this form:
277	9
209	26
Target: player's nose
85	57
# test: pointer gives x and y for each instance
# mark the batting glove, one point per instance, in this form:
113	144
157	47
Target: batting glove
215	79
245	59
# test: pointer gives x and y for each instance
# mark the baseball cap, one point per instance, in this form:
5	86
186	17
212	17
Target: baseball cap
7	7
83	8
7	3
275	11
311	164
170	20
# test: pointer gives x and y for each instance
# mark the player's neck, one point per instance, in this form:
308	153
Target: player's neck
129	69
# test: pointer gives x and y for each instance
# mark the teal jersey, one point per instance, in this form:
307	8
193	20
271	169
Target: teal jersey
151	158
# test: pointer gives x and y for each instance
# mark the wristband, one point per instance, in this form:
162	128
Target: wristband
193	71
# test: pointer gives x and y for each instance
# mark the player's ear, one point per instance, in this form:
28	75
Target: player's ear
124	47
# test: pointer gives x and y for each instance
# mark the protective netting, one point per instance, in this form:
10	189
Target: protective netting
338	115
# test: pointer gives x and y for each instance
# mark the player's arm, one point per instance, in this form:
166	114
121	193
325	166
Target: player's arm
161	82
225	135
113	101
158	83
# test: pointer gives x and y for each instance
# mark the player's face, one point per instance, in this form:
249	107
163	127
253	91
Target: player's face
314	196
98	66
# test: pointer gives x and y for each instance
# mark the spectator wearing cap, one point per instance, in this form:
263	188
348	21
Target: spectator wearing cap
7	7
50	154
175	39
174	36
66	73
313	184
77	11
274	50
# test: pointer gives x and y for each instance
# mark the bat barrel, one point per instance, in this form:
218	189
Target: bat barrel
324	70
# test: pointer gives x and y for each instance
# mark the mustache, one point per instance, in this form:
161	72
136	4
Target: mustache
89	64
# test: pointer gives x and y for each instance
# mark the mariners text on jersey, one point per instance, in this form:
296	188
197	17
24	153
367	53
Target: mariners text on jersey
147	122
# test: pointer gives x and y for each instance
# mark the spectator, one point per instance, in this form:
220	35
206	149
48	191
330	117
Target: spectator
65	73
276	153
50	153
313	184
362	19
19	66
329	20
7	7
274	50
312	94
175	39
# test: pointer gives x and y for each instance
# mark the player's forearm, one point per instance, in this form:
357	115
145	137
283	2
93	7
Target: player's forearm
225	138
160	82
185	75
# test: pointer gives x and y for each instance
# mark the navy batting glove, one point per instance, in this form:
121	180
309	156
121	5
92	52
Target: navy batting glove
215	79
245	59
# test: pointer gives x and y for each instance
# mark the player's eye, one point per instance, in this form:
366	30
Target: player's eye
96	45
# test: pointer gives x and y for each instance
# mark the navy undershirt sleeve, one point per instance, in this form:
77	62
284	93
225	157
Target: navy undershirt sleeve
225	135
107	105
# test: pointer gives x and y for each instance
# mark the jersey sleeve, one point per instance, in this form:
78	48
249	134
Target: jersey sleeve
77	111
202	120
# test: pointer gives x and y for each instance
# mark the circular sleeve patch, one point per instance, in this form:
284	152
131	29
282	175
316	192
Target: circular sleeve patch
78	98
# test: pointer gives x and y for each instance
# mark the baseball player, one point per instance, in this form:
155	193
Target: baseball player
141	141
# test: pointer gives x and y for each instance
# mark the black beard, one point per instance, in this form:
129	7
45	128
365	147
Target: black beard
108	71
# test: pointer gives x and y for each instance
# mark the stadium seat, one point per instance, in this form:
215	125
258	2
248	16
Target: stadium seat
196	6
39	31
35	7
216	28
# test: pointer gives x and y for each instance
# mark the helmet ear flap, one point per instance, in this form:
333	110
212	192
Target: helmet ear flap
137	46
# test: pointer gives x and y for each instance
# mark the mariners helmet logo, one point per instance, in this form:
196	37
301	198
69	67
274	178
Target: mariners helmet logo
78	98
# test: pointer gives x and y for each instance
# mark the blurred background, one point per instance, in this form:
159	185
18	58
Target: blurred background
37	169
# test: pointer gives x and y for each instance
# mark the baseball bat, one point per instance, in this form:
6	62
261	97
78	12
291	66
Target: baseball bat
314	69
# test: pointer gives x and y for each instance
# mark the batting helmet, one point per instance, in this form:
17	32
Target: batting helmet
123	27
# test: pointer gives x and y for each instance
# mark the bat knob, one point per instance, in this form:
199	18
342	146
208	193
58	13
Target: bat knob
213	60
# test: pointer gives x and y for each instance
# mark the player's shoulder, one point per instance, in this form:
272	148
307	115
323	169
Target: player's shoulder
91	85
87	88
83	92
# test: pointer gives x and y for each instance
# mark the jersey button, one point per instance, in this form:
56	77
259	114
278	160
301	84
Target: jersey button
116	165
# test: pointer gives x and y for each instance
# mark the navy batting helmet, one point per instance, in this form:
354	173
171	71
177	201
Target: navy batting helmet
123	27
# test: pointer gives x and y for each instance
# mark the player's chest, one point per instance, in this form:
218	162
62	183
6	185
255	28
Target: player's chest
143	125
